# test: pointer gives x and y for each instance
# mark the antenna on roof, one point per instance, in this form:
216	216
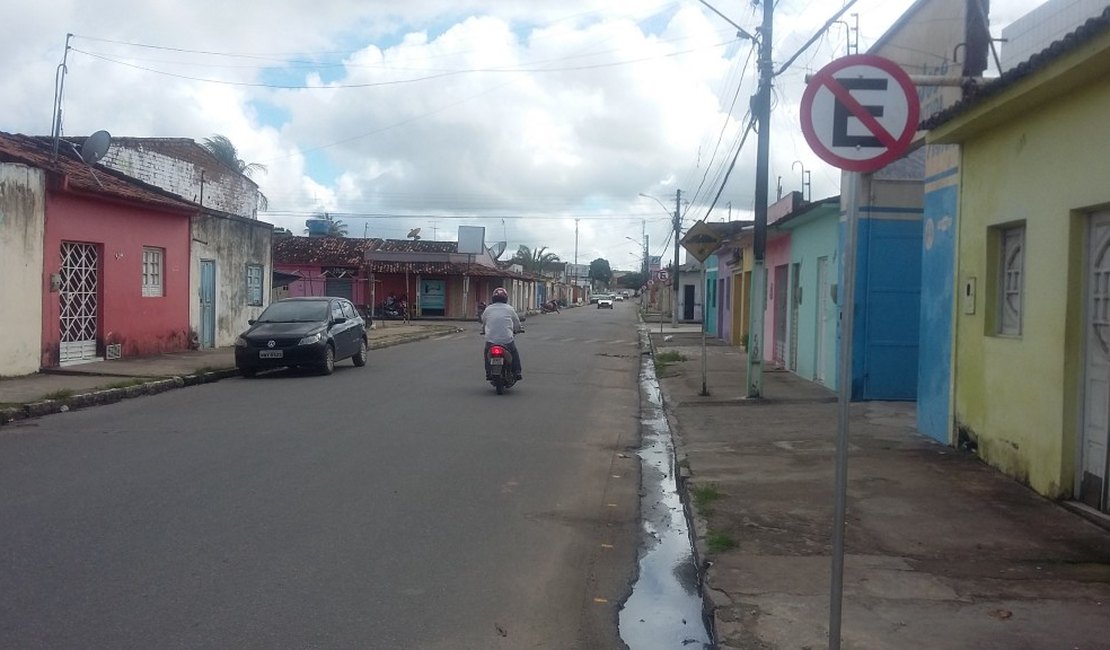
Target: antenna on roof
95	146
497	249
414	234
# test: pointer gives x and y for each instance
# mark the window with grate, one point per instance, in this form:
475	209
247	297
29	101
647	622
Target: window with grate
1011	280
153	265
254	285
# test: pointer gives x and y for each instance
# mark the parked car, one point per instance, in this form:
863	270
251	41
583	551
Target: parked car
619	297
303	332
605	301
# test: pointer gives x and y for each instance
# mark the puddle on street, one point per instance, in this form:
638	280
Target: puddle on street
665	609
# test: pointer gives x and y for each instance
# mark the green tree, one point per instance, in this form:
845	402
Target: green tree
633	280
535	260
600	271
222	148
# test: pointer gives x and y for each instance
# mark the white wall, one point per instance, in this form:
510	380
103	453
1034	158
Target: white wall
22	221
232	243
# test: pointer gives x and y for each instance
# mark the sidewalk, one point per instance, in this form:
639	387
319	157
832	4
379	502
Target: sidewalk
942	550
103	382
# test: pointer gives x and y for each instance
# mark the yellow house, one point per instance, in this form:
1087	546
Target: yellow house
1031	379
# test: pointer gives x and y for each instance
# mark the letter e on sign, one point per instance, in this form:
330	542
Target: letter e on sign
860	112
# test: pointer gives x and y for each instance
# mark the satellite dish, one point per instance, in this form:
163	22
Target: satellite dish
414	234
95	146
498	249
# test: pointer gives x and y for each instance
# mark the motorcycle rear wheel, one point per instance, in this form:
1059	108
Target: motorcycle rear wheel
499	384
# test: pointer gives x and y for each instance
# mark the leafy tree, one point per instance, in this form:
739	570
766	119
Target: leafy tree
221	147
535	260
633	280
600	271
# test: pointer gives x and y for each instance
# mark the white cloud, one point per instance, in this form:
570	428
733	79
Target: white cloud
552	111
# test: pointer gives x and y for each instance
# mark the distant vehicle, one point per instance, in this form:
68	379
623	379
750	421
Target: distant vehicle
303	332
619	297
605	301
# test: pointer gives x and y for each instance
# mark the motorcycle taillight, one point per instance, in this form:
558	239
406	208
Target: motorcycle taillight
497	351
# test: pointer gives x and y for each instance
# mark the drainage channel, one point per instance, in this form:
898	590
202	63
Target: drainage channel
665	609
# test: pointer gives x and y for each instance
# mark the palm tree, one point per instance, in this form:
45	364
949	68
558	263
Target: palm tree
221	147
535	260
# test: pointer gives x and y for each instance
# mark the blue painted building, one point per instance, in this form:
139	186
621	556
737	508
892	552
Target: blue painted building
938	263
888	282
814	263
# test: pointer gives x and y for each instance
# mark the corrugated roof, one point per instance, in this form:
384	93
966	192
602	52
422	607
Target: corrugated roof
977	94
417	246
82	177
440	268
325	251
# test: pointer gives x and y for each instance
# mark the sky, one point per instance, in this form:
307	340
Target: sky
544	122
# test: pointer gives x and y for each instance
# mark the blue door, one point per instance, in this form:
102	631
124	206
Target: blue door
433	300
207	303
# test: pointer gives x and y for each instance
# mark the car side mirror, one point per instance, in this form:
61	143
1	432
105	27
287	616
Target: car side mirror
251	321
338	320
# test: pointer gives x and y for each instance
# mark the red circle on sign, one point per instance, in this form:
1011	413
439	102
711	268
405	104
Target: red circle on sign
894	144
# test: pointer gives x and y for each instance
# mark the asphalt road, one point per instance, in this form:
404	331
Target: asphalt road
401	505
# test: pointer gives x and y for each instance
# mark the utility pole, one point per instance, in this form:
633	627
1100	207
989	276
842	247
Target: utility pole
677	235
575	258
762	109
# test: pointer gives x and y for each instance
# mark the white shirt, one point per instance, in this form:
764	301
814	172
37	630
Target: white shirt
500	322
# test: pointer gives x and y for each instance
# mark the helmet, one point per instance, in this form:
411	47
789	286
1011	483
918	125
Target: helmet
500	295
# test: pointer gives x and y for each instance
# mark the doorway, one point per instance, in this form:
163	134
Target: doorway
1094	462
688	291
77	299
207	303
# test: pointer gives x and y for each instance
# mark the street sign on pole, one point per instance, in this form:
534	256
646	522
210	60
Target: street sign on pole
701	240
860	112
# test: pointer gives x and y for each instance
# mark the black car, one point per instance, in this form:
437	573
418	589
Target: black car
302	332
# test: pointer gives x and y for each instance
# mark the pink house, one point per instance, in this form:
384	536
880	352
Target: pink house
115	260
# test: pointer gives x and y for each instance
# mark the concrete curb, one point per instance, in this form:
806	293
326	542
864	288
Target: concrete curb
11	414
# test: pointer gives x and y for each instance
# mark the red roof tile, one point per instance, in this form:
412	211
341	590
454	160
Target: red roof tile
81	177
325	251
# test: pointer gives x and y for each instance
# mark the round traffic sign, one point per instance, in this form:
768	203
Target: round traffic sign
860	112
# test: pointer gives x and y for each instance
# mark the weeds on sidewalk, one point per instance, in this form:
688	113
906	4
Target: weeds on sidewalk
719	542
64	393
664	359
128	383
704	496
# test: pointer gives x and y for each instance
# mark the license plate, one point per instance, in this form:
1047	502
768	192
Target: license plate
497	361
271	354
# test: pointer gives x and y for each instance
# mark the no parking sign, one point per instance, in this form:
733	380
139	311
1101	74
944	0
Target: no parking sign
860	112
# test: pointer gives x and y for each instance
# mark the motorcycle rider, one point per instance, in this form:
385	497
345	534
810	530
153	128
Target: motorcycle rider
499	324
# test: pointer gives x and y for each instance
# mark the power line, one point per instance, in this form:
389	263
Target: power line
395	82
813	39
751	126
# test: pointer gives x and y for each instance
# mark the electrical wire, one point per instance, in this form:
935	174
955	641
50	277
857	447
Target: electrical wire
395	82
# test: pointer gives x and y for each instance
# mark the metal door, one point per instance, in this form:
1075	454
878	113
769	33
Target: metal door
822	319
1094	464
795	303
781	288
339	288
208	303
688	291
78	303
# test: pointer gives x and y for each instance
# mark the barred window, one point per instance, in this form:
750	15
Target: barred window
1011	281
254	285
153	265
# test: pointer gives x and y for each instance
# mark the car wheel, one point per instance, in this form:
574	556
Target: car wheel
327	366
360	356
247	373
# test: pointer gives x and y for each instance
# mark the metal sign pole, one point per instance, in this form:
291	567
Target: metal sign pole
704	326
847	299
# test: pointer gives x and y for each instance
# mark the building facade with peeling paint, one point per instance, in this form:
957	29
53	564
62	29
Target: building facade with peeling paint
1031	373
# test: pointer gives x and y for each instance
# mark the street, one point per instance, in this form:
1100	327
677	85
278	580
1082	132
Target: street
401	505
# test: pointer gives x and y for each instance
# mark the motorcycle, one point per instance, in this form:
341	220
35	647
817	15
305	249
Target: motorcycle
499	366
550	307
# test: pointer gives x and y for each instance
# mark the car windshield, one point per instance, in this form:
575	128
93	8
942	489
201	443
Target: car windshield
295	311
